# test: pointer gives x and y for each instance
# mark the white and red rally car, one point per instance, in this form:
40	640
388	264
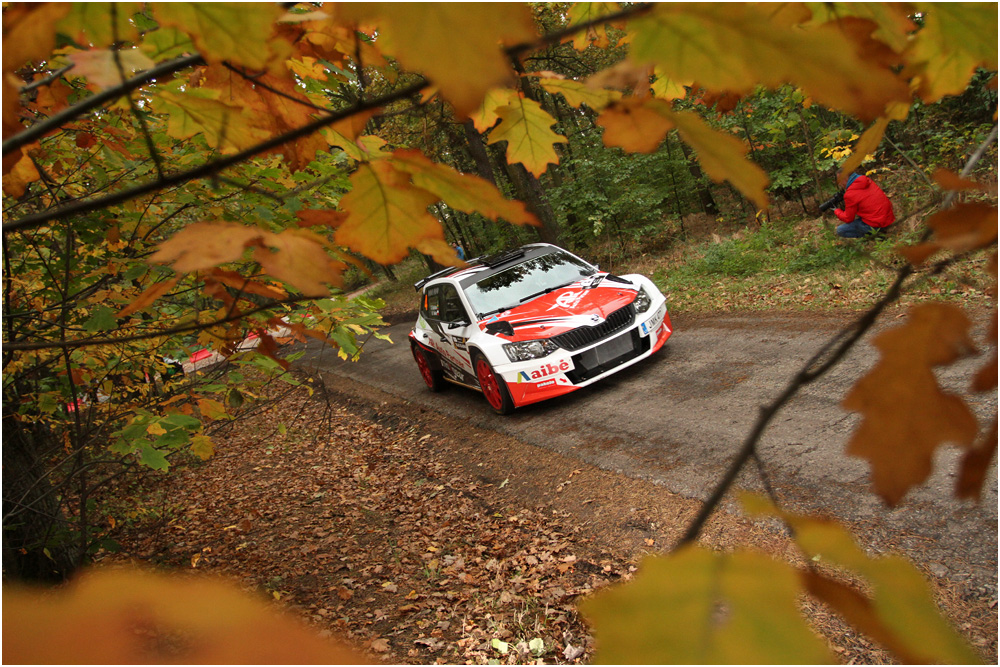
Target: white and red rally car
533	323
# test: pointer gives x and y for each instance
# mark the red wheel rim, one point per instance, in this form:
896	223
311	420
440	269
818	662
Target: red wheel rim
425	368
488	383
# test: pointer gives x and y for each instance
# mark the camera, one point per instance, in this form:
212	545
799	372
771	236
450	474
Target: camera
835	200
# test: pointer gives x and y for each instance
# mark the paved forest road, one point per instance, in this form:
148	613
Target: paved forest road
678	418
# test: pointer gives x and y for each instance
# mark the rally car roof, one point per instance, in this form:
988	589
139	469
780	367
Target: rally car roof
489	263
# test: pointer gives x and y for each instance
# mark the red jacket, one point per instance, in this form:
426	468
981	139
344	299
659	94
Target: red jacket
863	199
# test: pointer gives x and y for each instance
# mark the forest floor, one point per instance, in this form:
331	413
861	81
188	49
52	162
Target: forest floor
392	528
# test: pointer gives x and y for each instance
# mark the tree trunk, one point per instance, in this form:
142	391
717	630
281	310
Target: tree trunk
31	510
704	193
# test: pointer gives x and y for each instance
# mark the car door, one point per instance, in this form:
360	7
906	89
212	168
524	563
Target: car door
450	325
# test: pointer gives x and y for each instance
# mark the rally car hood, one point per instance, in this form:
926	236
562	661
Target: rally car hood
588	302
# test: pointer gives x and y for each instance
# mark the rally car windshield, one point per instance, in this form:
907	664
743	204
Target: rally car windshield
521	282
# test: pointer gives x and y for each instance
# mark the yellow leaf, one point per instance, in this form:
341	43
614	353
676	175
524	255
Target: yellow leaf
91	23
486	114
212	409
386	215
237	32
202	446
666	88
585	12
867	145
955	39
119	616
577	93
463	192
736	46
902	605
526	128
457	45
195	111
155	429
895	27
29	32
906	415
700	607
636	126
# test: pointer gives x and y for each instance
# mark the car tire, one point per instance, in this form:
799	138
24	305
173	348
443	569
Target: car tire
433	377
492	385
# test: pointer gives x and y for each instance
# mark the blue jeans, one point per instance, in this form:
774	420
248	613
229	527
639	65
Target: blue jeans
856	230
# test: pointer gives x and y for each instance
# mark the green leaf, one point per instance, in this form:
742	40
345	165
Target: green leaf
500	646
696	606
102	319
537	646
152	457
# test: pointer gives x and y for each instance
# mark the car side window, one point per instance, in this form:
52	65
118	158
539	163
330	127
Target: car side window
430	307
452	309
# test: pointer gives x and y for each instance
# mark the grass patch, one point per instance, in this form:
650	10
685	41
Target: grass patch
794	265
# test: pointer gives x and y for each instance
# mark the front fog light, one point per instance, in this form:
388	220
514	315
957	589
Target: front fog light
642	301
529	349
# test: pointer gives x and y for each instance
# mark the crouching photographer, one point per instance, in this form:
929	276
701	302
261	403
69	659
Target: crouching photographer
862	206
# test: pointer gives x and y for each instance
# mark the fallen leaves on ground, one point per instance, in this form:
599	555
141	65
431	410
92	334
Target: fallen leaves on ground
363	531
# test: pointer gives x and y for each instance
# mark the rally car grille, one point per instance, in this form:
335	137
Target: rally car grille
607	356
583	336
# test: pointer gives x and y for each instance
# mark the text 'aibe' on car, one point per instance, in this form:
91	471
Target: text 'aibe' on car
533	323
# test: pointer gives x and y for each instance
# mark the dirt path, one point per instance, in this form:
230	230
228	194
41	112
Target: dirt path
676	420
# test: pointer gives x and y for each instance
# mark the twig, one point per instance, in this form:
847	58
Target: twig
210	168
56	121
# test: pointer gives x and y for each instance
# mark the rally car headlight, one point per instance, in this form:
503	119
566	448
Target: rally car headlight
642	301
529	349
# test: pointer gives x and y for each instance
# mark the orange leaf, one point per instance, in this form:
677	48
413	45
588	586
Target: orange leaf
859	612
906	415
634	126
132	617
203	245
312	217
464	192
949	180
300	258
965	226
16	181
244	284
386	215
918	254
974	466
148	296
473	60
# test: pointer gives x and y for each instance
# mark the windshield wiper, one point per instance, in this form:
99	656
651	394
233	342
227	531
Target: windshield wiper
545	291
